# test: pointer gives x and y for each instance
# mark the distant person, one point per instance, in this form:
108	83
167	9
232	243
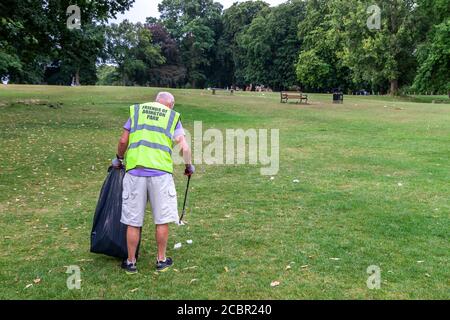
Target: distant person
146	146
5	81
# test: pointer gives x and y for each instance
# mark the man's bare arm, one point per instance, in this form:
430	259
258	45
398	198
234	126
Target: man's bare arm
123	144
185	149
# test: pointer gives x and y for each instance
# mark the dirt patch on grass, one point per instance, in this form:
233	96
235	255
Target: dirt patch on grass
32	102
38	102
3	207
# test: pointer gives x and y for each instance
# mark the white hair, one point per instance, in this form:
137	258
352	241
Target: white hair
166	99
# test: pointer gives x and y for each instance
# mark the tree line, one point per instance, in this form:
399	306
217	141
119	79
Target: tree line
311	45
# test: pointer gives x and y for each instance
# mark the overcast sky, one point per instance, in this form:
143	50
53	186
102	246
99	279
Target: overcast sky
149	8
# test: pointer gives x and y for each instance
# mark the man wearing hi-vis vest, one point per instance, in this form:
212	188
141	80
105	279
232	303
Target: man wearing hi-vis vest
146	147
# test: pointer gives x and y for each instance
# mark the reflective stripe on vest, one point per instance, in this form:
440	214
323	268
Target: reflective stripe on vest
150	145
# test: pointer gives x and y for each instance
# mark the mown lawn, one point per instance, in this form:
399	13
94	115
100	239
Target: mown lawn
373	190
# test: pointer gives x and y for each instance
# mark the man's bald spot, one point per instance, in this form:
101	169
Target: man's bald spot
166	99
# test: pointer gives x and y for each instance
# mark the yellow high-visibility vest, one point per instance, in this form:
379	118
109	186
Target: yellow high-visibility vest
151	137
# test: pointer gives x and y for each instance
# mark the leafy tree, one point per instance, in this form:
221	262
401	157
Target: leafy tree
172	73
195	24
270	45
107	75
378	57
433	52
162	38
35	36
79	50
319	66
77	53
320	44
312	71
9	61
236	19
434	61
130	47
24	43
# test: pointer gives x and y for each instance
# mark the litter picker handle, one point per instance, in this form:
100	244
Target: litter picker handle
185	199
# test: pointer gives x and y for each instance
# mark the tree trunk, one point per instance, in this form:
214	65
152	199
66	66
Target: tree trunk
394	87
77	77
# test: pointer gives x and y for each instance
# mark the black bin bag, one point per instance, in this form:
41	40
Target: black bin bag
109	235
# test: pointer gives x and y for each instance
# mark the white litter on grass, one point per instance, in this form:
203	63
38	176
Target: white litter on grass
400	184
189	241
272	178
296	181
275	284
177	246
191	268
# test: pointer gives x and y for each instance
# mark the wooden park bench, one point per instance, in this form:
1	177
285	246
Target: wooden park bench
298	96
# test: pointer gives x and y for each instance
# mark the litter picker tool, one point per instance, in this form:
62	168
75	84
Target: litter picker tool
185	199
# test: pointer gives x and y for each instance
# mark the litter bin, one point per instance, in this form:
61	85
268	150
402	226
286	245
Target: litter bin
338	97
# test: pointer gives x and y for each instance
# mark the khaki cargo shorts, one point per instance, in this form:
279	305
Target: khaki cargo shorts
161	193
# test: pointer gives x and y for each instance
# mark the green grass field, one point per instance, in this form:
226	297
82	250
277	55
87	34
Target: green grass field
374	190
